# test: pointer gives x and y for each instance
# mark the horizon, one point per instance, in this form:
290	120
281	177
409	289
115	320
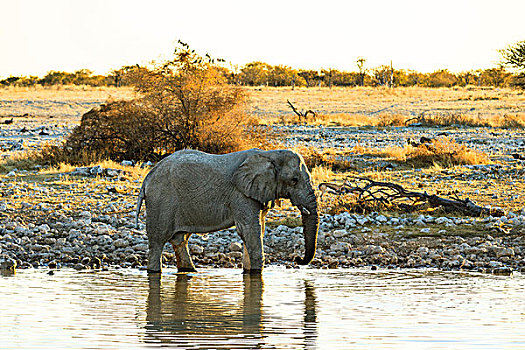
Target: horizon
101	36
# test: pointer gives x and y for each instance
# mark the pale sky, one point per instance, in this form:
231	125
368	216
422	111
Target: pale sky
37	36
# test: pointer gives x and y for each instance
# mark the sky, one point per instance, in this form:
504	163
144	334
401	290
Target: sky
101	35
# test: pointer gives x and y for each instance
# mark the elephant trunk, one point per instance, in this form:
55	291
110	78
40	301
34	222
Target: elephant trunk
310	219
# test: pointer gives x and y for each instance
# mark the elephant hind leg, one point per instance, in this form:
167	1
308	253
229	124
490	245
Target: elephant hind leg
180	245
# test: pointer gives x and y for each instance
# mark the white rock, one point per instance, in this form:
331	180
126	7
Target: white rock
374	249
236	247
381	219
393	221
85	214
362	220
423	251
425	230
96	170
141	247
340	247
339	233
44	228
121	243
350	222
196	249
442	220
127	163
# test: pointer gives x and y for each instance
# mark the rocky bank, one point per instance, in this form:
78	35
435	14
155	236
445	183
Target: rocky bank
96	230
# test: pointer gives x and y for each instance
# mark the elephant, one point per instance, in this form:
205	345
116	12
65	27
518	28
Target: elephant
191	191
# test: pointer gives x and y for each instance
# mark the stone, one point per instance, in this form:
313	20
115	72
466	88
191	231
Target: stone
196	249
235	255
7	264
442	220
121	243
340	247
141	247
423	251
374	249
236	247
112	172
96	170
381	219
44	228
362	220
339	233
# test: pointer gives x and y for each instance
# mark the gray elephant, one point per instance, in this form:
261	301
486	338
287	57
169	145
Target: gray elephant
195	192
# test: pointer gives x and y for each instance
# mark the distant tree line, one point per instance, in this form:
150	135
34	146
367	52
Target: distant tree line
264	74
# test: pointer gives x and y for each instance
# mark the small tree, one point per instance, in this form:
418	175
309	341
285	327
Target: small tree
362	70
182	103
514	57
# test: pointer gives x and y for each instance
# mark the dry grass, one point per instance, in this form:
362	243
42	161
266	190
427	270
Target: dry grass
63	103
327	158
66	92
442	152
359	106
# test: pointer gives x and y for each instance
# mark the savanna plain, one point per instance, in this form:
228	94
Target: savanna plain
455	143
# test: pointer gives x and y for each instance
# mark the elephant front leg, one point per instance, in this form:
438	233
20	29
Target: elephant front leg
253	257
180	245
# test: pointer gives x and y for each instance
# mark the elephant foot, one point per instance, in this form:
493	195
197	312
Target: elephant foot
186	269
252	271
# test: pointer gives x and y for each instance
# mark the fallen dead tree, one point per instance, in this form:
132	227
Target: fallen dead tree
377	195
302	115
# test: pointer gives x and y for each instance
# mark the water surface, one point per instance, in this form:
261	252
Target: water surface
295	309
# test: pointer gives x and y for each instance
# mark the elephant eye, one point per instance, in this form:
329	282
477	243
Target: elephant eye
294	181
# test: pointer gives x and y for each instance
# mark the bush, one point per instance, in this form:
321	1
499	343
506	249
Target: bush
443	152
183	103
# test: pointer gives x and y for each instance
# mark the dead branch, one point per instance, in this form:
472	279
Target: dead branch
394	196
302	115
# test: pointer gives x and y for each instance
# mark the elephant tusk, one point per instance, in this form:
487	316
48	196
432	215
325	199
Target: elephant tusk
304	210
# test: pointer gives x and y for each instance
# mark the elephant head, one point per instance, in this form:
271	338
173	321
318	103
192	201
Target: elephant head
267	176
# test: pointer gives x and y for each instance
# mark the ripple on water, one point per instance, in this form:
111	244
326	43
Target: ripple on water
222	308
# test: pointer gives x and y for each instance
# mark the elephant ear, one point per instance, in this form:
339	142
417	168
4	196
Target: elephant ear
256	178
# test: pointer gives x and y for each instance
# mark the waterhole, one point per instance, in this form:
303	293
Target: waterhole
282	309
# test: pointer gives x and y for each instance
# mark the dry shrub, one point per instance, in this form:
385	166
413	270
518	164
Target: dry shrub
322	174
444	152
328	158
19	161
183	103
337	119
516	121
447	119
391	120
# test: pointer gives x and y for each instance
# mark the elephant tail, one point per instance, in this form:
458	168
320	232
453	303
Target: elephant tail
142	195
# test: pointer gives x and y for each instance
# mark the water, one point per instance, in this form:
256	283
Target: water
283	309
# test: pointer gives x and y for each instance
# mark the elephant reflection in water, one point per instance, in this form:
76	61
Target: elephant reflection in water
187	314
174	315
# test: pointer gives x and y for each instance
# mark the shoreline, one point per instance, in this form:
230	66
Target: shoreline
84	241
